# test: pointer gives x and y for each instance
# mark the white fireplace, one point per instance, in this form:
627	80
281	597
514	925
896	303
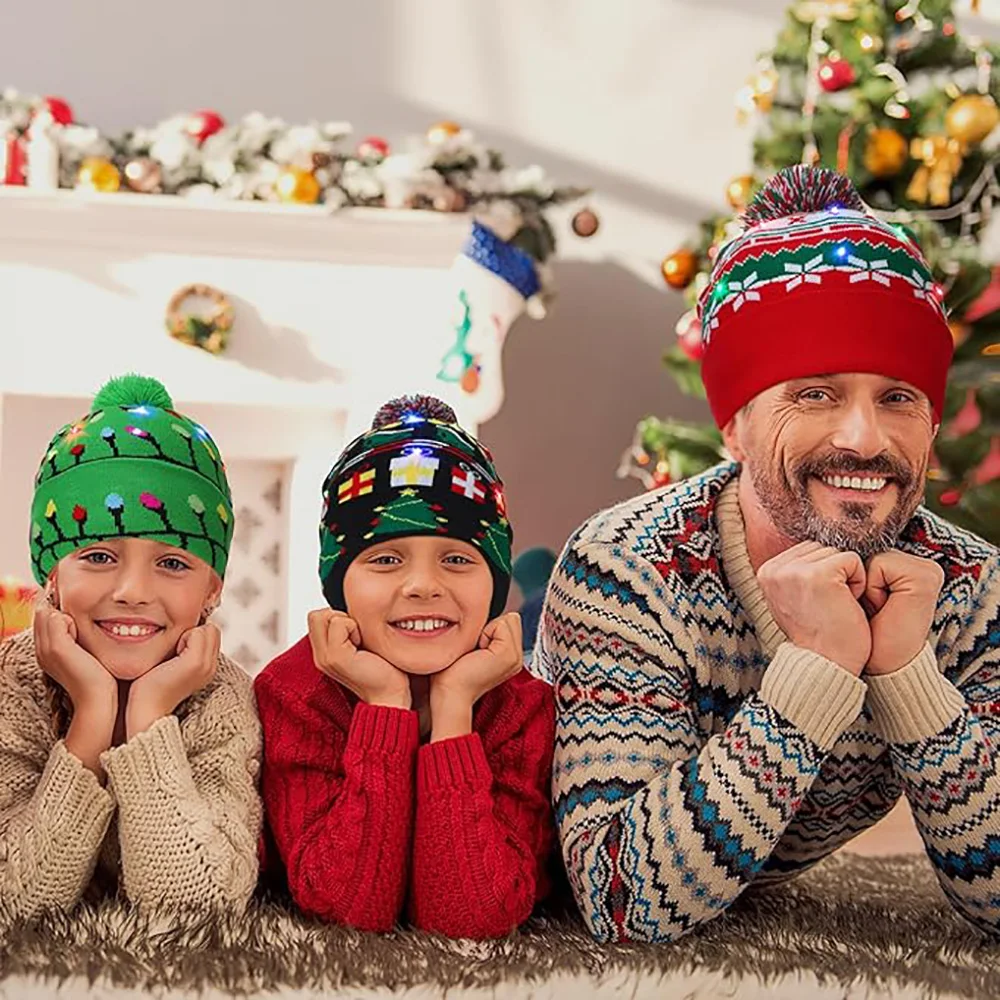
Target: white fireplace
334	313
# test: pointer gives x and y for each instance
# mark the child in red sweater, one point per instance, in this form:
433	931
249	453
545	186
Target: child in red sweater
407	753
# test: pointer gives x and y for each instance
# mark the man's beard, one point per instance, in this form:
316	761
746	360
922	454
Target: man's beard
787	502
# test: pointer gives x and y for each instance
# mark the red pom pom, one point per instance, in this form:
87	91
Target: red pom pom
800	189
415	409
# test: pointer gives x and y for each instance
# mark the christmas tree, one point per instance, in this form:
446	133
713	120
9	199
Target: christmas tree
890	93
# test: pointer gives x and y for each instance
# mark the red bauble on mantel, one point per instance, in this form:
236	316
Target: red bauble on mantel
203	124
62	113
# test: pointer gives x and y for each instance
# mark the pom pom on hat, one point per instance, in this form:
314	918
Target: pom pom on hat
815	284
800	190
133	390
426	407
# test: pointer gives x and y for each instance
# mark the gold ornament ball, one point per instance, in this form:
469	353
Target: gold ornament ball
297	186
98	174
679	268
143	175
586	223
886	152
441	132
738	192
971	118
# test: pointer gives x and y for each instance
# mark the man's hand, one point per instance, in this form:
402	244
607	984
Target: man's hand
157	693
336	647
901	595
813	592
456	690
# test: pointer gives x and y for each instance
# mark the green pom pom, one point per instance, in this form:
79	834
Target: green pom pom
133	390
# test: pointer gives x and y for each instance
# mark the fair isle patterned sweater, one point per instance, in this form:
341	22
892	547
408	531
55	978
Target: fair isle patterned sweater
699	752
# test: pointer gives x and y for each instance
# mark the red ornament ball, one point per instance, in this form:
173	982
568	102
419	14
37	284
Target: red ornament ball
835	74
373	148
61	112
949	498
689	337
203	124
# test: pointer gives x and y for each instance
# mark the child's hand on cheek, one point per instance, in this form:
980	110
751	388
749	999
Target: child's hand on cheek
91	688
156	694
336	647
456	690
84	678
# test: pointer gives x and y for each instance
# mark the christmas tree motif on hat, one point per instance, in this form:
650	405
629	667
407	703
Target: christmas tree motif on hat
495	543
331	549
407	514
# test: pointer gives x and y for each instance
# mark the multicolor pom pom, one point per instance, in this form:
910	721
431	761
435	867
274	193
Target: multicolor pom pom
413	408
800	190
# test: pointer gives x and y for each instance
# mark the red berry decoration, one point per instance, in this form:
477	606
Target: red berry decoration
203	124
61	112
373	148
835	74
661	475
949	498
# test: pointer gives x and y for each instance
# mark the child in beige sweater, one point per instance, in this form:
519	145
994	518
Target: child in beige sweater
129	746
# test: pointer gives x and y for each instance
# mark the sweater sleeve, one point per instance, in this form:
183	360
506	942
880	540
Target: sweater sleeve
189	814
52	825
340	805
941	721
662	824
484	831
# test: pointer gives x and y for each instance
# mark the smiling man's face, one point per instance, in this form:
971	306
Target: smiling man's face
839	459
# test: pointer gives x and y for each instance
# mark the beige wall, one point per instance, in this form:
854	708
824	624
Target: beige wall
633	97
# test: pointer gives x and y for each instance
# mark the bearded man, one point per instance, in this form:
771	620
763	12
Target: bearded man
752	666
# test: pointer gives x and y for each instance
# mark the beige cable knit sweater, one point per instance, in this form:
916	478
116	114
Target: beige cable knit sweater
180	816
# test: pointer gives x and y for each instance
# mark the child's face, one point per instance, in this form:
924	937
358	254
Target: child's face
114	587
420	602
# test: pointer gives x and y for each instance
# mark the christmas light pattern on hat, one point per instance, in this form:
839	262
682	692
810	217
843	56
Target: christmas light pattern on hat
131	468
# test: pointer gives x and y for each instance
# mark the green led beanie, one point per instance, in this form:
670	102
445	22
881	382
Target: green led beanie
131	468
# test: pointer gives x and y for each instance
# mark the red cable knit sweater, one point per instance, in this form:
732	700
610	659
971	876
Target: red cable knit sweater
364	817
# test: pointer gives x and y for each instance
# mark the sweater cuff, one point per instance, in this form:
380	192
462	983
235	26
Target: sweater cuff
915	702
813	693
378	727
452	763
153	758
71	792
